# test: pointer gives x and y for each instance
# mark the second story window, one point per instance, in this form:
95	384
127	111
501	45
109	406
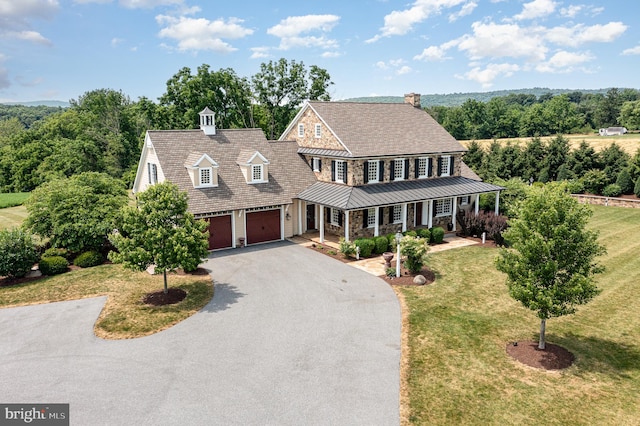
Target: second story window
444	165
398	169
318	131
339	171
315	164
153	173
422	167
372	171
300	130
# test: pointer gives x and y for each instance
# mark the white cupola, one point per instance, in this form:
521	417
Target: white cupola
207	121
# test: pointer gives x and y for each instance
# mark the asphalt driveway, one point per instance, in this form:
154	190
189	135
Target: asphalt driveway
291	337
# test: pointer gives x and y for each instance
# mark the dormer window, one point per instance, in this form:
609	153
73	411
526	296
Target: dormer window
318	132
205	176
202	170
301	130
257	171
253	166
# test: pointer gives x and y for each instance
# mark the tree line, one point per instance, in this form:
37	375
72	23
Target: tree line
525	115
103	129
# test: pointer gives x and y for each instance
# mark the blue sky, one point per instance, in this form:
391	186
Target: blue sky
59	49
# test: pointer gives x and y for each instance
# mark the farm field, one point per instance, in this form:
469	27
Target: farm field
458	328
629	142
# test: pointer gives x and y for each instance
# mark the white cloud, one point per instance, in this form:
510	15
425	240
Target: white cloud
382	65
632	51
400	22
32	36
536	9
201	34
331	54
405	69
260	52
466	9
148	4
16	15
571	11
292	30
486	76
116	41
432	54
492	40
564	61
580	34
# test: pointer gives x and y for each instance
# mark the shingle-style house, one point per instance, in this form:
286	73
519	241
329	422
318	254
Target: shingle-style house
349	169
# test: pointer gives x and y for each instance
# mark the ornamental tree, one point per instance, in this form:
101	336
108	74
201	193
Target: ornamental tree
550	265
18	252
160	232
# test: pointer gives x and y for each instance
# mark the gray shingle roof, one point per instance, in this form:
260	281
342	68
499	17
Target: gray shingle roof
358	197
378	129
288	172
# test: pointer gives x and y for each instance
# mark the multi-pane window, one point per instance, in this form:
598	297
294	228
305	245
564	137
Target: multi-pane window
301	130
443	207
423	167
318	132
398	169
335	217
256	173
153	173
371	218
397	213
373	171
315	164
340	175
444	165
465	200
205	176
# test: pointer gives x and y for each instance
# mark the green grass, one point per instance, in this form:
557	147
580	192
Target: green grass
459	373
12	216
124	315
13	199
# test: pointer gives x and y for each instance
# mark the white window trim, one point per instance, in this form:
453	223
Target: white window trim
153	173
205	185
261	168
465	200
426	167
340	174
335	217
445	163
316	164
397	209
373	164
371	218
441	202
318	131
301	130
397	161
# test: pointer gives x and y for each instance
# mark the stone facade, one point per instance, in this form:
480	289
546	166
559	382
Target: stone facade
607	201
326	141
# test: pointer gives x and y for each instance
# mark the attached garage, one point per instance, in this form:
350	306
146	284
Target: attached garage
220	234
263	226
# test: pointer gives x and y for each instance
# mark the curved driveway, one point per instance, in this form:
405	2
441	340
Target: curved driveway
291	337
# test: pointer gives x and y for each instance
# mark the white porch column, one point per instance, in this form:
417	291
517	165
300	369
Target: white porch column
430	214
346	225
477	207
404	217
321	223
376	230
497	202
301	207
233	229
455	212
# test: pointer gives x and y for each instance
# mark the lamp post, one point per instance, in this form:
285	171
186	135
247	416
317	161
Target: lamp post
398	238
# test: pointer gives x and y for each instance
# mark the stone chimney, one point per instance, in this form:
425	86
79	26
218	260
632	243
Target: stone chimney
413	99
207	121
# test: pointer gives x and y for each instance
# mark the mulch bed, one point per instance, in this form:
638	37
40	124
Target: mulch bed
331	252
7	282
553	357
406	279
159	298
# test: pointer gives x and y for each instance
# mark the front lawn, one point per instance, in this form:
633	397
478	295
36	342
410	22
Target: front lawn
124	315
13	199
458	328
12	217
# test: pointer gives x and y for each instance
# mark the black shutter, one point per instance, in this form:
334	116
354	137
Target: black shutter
433	208
366	172
380	215
311	162
346	175
381	171
319	164
430	167
149	170
333	170
406	168
451	162
392	166
418	213
340	218
365	218
327	215
439	166
416	164
390	214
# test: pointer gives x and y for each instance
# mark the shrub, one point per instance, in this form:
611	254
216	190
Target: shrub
88	259
415	251
612	190
494	226
636	188
424	233
347	248
437	235
392	242
411	233
332	252
56	251
391	272
18	252
625	181
366	246
53	265
382	245
594	181
575	186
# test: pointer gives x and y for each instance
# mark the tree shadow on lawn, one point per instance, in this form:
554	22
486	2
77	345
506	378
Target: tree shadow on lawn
224	295
597	355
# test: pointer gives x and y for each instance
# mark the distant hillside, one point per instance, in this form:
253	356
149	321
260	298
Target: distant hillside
61	104
456	99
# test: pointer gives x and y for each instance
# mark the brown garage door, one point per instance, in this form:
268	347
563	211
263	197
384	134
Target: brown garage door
263	226
220	235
